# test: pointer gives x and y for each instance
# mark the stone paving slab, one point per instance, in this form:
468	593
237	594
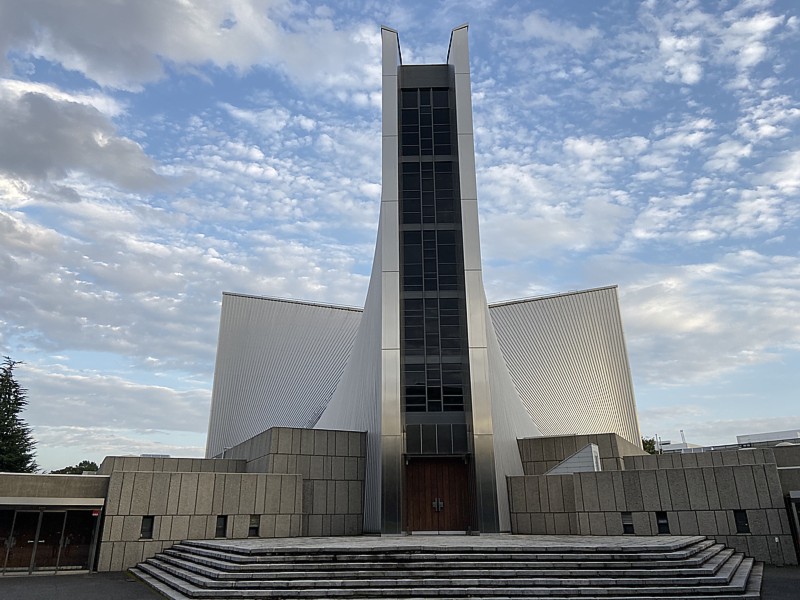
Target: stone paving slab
487	542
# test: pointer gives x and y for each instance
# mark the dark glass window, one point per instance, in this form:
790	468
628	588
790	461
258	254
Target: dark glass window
255	524
429	439
414	439
425	117
627	523
444	439
430	259
409	99
662	522
148	523
221	530
742	524
460	439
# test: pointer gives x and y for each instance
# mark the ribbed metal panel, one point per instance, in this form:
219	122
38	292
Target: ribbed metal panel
278	363
511	422
566	355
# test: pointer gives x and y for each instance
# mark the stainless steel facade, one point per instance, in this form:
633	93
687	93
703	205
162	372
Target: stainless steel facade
551	365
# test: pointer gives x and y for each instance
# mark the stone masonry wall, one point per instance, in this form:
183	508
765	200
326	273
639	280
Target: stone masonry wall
541	454
30	485
183	465
697	501
185	505
332	465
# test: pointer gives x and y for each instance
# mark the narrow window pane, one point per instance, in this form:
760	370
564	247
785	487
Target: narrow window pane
148	523
222	526
253	529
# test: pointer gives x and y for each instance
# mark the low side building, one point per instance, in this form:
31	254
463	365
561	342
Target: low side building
49	522
735	497
283	482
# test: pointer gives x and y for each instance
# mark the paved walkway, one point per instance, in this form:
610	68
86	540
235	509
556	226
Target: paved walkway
486	541
97	586
780	583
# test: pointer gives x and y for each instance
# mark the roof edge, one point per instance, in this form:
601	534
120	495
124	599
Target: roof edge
556	295
293	301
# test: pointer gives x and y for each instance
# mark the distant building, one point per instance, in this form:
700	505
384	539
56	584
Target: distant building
793	435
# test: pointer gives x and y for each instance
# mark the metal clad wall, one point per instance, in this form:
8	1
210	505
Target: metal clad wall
567	357
511	422
355	405
480	391
278	363
387	458
368	396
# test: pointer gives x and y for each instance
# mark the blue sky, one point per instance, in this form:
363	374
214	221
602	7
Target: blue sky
155	154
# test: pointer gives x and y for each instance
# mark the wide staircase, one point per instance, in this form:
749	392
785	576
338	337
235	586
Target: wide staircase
683	567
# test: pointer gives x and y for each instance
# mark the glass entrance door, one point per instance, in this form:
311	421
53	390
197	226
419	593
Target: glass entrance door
77	543
21	543
46	540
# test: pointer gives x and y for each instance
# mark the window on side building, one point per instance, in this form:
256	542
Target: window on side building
662	522
252	530
627	523
742	524
148	524
222	526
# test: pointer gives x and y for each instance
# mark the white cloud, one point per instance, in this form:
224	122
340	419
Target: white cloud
783	173
727	154
559	33
693	323
681	57
47	136
126	45
59	446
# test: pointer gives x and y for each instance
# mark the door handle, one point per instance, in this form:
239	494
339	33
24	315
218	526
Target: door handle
437	504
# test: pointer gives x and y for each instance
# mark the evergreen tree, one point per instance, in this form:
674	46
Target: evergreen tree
649	445
84	465
16	441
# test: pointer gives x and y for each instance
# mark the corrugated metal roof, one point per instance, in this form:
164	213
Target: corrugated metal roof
566	355
278	363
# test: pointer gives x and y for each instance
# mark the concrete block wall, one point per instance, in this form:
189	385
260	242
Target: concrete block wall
332	465
543	505
186	506
541	454
720	458
31	485
788	460
697	501
173	465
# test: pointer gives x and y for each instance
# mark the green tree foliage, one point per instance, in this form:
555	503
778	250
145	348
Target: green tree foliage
16	441
649	445
84	465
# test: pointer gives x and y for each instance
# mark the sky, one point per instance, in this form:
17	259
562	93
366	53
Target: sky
154	154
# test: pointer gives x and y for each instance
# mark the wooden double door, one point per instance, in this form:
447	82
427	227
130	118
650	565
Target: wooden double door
437	495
